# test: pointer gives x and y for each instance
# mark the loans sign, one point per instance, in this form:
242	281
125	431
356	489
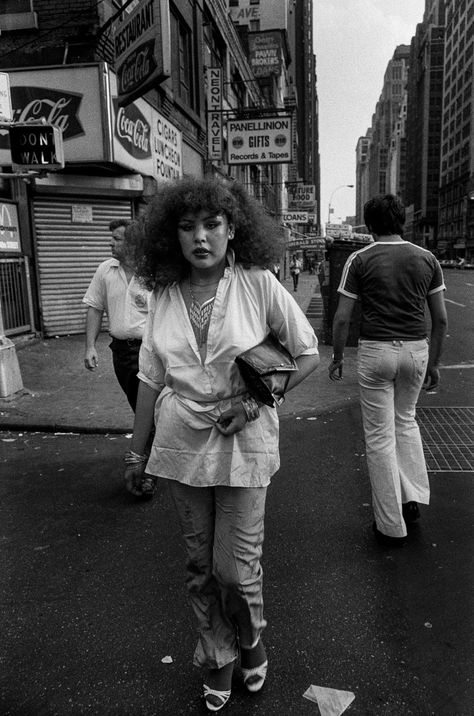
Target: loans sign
295	217
264	140
138	44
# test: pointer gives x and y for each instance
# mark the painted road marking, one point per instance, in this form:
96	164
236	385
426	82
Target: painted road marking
457	366
448	300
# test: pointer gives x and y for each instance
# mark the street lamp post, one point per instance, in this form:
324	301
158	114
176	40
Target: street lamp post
343	186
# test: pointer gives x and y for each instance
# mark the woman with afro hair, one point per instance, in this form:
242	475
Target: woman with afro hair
206	248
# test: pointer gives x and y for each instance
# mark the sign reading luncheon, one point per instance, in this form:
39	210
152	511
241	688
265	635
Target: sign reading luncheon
259	141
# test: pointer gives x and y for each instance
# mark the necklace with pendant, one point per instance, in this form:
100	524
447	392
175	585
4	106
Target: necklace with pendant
200	314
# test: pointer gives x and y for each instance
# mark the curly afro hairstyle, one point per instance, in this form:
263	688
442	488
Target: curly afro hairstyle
258	239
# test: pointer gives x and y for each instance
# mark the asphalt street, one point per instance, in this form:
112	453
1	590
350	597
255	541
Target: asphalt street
92	586
93	595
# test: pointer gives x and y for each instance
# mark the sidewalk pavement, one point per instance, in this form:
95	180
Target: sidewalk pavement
60	395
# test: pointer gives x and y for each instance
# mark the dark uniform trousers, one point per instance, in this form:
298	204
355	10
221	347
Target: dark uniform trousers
125	361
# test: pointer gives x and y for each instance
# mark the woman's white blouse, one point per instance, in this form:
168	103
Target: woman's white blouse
188	447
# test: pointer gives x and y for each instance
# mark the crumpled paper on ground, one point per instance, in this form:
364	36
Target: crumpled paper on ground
331	702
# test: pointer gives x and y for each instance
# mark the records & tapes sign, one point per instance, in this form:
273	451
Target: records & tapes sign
259	141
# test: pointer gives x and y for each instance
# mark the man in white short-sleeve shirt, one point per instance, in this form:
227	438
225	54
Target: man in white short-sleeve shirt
116	290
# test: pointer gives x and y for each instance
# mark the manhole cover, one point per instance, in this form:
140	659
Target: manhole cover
448	438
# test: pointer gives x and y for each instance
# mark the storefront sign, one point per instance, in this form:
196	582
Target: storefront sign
214	113
5	97
94	127
301	196
265	53
265	140
9	228
138	44
132	130
44	95
295	217
145	141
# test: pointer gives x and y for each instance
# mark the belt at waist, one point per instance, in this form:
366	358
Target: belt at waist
126	341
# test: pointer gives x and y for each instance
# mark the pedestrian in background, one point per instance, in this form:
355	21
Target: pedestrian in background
206	245
117	290
393	279
295	270
276	270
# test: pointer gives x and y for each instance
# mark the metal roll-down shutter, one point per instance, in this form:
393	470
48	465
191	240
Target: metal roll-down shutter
68	254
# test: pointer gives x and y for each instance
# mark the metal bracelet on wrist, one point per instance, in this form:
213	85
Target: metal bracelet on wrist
251	408
134	458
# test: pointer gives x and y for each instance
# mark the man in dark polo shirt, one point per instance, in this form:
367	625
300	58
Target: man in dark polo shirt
393	279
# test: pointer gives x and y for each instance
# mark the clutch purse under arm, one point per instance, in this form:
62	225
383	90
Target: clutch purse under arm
266	370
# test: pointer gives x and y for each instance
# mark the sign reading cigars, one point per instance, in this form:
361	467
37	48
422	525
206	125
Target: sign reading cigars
138	45
266	140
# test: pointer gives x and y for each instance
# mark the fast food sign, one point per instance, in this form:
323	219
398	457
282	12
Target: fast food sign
262	140
139	42
9	227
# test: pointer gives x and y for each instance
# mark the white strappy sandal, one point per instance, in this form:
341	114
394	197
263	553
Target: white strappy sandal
224	696
255	684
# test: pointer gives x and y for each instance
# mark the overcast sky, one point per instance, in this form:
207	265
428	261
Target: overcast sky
353	42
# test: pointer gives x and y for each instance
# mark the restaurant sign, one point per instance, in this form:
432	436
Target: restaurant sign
141	44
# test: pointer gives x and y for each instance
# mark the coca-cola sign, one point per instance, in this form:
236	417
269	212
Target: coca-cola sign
132	131
57	107
137	68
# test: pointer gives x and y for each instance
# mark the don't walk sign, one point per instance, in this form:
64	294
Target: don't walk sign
36	146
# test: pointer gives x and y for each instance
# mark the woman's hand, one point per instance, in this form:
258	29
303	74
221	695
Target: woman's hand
233	420
134	477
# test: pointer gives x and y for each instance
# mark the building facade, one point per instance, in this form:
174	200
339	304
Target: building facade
456	184
385	118
64	62
423	131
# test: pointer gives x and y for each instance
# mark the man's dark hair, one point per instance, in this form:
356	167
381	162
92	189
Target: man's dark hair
116	223
384	215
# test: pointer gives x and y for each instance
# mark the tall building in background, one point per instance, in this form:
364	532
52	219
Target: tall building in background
385	118
423	127
456	188
307	116
362	176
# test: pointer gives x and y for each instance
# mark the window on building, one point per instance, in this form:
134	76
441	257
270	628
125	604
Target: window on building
17	15
181	60
214	49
